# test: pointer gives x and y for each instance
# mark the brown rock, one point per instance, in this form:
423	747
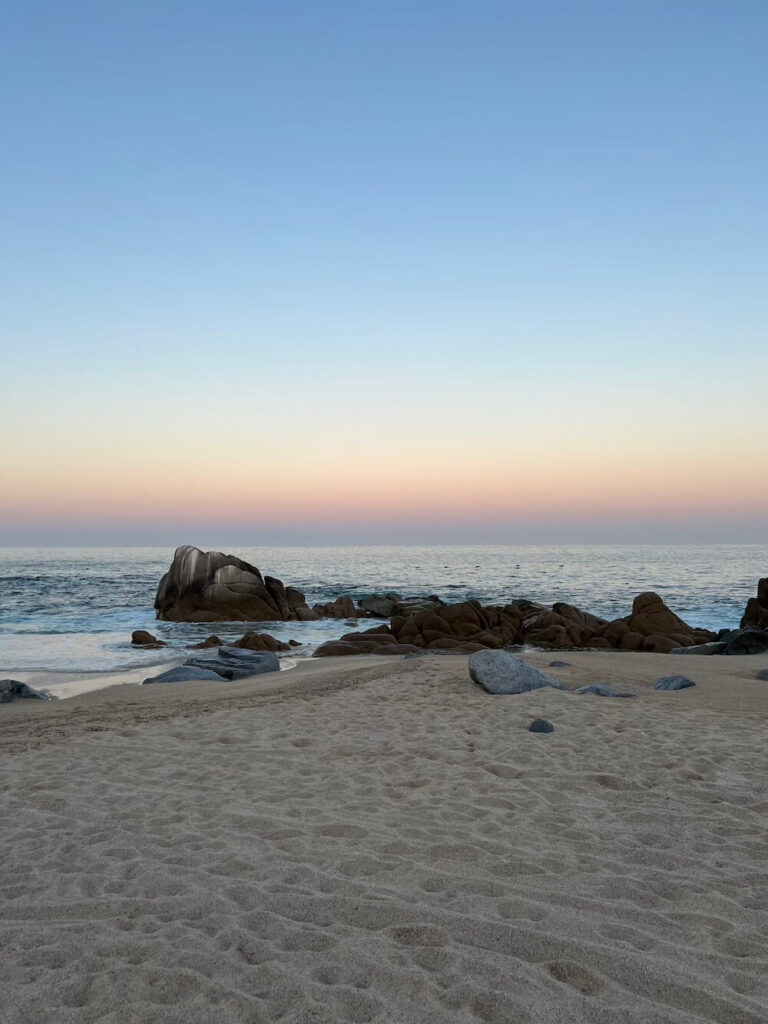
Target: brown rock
756	613
141	638
261	642
210	641
464	625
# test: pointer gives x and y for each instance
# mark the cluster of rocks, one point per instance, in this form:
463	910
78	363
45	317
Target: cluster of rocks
500	672
212	586
248	641
469	626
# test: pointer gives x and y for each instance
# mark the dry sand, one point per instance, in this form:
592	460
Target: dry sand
383	841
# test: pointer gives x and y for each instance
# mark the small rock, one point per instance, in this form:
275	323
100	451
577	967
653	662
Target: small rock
763	674
559	664
294	643
186	674
604	690
141	638
502	672
12	689
541	725
673	683
210	641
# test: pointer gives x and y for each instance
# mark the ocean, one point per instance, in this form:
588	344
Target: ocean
73	609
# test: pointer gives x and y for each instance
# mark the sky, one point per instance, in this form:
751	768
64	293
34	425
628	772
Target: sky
379	271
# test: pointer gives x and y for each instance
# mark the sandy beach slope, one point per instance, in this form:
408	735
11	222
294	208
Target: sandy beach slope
383	841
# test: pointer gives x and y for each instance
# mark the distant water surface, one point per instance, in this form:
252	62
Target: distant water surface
73	609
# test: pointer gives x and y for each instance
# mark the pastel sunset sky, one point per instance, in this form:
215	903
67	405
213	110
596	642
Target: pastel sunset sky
384	271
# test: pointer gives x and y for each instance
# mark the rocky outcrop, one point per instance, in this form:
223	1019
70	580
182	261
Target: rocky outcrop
563	626
756	613
209	586
468	626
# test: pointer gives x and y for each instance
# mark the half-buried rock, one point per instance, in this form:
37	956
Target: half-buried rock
673	683
186	674
502	672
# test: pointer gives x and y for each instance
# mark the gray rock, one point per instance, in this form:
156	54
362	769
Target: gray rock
502	672
541	725
12	689
763	674
673	683
559	664
236	663
604	690
186	674
747	641
716	647
383	606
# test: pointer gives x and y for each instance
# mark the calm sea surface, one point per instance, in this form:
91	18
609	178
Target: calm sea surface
68	609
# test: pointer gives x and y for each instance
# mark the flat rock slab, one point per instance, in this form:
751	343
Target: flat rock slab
502	672
763	674
716	647
541	725
234	663
559	664
186	674
673	683
604	690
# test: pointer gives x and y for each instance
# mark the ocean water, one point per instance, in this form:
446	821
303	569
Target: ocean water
73	609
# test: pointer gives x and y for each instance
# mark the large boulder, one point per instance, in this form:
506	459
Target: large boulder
236	663
258	642
502	672
756	613
209	586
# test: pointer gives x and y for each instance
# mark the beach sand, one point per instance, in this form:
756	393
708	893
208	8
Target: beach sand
380	840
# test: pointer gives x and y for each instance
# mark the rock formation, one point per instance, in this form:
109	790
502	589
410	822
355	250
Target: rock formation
756	612
470	626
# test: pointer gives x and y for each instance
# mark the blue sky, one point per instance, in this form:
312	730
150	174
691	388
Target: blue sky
256	207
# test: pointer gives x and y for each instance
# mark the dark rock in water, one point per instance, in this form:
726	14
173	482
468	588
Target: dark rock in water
716	647
541	725
673	683
382	606
747	641
756	613
260	642
12	689
210	641
341	608
294	643
502	672
141	638
604	690
186	674
559	664
763	674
